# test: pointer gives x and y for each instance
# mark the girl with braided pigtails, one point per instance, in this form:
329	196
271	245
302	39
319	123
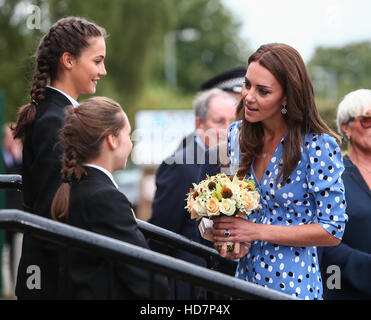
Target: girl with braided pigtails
96	142
69	62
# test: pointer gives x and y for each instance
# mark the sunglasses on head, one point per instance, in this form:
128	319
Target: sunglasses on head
365	121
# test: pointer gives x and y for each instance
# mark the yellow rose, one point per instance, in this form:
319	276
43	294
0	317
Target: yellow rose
190	207
212	207
250	199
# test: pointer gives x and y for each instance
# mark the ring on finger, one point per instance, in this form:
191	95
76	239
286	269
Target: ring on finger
227	233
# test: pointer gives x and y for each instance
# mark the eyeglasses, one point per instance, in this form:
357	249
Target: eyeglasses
365	121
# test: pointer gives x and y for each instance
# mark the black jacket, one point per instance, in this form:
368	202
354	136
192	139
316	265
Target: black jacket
173	181
41	179
174	178
96	205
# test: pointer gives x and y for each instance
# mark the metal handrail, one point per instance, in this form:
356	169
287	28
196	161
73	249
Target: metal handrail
11	181
123	252
151	231
182	243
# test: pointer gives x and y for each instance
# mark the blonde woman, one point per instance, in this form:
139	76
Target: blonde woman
353	255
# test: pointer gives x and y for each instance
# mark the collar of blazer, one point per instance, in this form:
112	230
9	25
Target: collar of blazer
53	97
106	172
70	99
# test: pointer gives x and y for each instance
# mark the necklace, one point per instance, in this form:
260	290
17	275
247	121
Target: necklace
271	150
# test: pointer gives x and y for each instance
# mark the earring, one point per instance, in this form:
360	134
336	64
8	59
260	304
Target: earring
283	110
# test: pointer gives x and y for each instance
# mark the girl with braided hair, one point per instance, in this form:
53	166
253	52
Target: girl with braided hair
96	142
69	62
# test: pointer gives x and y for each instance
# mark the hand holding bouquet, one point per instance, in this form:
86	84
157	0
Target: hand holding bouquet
221	195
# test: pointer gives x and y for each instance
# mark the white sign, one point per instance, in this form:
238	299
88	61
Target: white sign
158	133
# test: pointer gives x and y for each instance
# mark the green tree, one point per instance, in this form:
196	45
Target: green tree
336	71
131	26
217	48
349	67
17	45
135	47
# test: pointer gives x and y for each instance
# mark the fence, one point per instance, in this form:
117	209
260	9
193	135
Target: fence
119	251
158	235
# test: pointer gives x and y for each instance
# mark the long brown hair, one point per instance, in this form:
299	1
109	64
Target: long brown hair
71	35
81	138
302	116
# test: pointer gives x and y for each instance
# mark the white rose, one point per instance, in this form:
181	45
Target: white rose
199	208
228	207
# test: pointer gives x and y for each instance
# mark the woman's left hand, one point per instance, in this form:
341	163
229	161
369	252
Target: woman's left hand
234	229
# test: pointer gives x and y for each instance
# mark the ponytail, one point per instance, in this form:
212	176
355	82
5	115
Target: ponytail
26	116
61	201
71	171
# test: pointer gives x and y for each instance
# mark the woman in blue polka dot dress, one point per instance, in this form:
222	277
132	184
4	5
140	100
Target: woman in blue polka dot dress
283	144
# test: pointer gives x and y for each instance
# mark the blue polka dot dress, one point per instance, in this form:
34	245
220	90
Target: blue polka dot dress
314	193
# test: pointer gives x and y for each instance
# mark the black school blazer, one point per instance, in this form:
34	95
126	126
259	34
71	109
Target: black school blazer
96	205
41	178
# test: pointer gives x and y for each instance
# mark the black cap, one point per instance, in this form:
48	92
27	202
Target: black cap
230	80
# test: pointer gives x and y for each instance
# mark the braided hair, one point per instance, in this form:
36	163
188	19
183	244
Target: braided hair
71	35
81	137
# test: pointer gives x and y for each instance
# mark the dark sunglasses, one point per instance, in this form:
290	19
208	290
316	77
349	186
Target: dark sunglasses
365	121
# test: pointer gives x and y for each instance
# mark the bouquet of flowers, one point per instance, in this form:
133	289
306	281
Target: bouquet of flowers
221	195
